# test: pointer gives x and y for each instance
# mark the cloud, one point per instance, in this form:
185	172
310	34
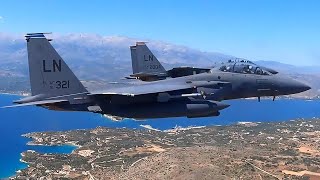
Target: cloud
1	19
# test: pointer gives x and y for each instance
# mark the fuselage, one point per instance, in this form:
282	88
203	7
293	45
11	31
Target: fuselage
252	85
239	86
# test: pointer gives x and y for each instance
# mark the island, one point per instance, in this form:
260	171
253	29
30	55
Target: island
277	150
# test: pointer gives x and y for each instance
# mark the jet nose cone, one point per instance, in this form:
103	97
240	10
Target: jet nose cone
305	88
287	86
301	87
297	87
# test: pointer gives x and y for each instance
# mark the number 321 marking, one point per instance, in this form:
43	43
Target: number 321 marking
62	84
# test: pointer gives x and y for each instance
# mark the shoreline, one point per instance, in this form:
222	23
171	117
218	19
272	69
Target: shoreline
251	137
233	123
34	142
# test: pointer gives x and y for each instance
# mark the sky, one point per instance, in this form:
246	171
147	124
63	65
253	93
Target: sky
281	30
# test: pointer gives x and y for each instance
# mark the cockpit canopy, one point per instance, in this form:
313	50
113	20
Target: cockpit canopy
244	68
240	60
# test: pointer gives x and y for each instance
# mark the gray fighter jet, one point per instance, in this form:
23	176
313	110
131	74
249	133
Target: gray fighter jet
242	78
146	66
55	87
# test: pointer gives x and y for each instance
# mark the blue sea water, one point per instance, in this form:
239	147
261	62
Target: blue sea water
17	121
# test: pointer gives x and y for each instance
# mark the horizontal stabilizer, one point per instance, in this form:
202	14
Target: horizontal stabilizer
35	103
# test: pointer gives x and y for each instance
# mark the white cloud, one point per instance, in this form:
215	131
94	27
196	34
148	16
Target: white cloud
1	19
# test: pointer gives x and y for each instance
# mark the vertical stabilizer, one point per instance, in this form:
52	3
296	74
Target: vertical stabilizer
143	60
134	61
49	74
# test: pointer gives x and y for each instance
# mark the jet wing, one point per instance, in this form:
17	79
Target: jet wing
35	103
141	75
187	68
148	76
186	71
159	87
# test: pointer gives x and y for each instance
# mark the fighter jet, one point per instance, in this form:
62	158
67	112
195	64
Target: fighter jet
54	86
146	66
241	78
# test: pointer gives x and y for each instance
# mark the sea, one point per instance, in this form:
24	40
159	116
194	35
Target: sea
17	121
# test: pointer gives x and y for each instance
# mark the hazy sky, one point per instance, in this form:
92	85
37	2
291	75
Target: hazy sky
281	30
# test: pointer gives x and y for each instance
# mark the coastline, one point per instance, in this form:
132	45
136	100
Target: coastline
251	137
73	143
35	142
12	175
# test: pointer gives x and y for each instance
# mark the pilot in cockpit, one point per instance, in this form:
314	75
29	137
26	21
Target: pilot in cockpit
225	68
244	69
